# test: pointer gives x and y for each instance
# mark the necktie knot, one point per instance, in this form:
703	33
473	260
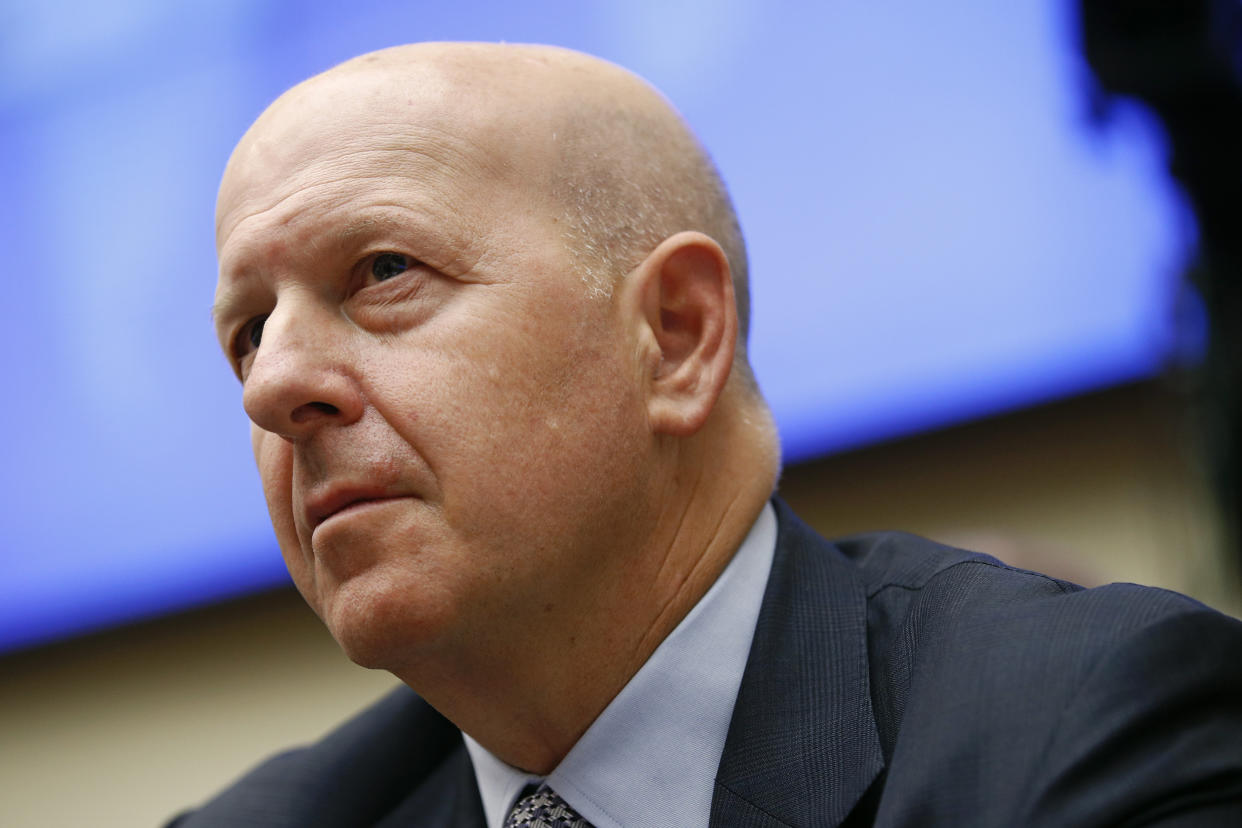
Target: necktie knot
544	809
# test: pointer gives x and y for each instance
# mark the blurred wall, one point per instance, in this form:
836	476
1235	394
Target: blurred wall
127	727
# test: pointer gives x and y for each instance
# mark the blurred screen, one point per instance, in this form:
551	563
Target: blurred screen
937	232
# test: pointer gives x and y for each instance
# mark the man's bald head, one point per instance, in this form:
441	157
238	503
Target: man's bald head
613	159
481	301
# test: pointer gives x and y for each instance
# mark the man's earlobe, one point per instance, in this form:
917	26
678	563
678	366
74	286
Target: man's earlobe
685	291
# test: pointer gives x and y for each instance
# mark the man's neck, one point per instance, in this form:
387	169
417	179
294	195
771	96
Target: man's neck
622	768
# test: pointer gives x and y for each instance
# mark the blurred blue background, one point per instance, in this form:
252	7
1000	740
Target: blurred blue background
937	233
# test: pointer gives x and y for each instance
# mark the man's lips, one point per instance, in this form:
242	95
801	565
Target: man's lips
321	506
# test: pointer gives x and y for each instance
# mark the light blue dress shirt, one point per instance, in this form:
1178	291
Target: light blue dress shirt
650	758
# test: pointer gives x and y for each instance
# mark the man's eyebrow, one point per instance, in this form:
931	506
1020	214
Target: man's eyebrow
364	226
357	227
222	303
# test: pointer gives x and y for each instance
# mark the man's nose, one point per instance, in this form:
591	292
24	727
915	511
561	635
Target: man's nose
300	378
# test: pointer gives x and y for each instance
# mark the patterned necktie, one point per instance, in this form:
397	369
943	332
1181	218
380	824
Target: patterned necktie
544	809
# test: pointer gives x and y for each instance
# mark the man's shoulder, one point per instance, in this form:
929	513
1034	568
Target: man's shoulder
934	608
900	560
913	583
361	771
1059	704
914	580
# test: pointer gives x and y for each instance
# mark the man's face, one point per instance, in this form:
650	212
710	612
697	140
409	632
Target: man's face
447	427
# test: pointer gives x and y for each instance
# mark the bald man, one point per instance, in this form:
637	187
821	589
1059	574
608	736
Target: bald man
488	308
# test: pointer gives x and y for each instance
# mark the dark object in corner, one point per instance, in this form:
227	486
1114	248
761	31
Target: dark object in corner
1183	59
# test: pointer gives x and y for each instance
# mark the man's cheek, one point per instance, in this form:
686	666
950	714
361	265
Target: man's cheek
274	458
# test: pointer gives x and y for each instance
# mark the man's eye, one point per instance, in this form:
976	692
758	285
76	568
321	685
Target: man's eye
386	265
251	334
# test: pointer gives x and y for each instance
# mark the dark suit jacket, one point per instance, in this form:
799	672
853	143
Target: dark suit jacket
891	681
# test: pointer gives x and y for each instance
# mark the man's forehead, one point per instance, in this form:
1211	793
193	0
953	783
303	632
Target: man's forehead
276	185
312	124
443	193
374	116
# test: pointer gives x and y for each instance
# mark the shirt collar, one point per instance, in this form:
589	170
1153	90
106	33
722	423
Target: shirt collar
650	758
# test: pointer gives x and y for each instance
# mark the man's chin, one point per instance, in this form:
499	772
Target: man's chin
379	625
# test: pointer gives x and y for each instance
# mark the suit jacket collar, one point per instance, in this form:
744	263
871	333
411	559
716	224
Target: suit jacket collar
803	746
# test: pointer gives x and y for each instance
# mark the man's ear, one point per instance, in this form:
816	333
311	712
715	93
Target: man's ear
682	294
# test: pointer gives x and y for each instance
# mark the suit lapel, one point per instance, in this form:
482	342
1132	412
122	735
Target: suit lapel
802	746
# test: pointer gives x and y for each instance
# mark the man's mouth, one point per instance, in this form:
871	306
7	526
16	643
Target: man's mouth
320	507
